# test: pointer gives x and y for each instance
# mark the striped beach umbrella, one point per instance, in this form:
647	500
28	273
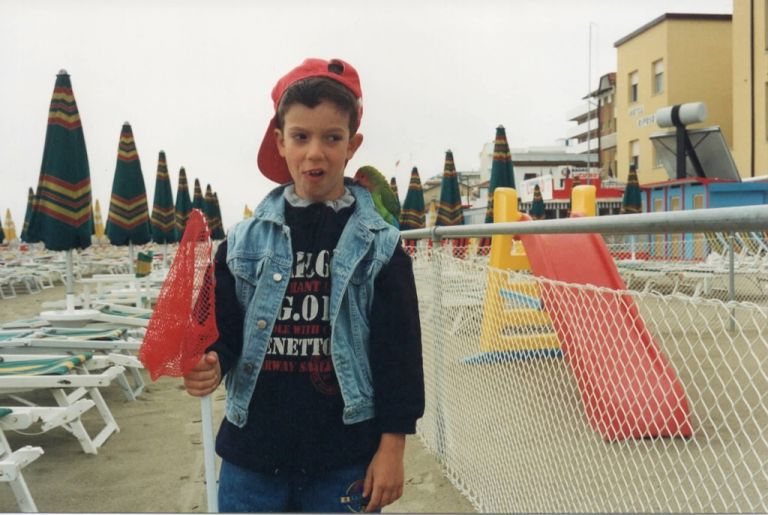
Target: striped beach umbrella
198	202
449	210
208	207
163	220
502	175
128	218
25	237
412	212
632	201
537	211
217	231
393	185
61	214
183	203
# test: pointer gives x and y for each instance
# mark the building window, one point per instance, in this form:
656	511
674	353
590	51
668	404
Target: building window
633	82
658	76
634	154
657	163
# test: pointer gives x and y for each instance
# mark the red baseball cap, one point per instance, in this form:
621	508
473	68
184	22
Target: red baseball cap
270	162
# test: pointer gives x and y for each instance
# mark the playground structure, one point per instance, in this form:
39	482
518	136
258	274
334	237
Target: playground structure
647	400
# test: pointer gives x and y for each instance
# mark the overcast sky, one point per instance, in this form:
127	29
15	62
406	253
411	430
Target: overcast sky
193	78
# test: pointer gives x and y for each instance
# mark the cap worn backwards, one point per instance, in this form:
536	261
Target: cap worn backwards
270	162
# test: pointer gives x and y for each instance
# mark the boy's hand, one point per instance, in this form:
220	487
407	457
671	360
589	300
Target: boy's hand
205	377
385	476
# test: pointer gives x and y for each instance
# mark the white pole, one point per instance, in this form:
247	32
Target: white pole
70	282
209	458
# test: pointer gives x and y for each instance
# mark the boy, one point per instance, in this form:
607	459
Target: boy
316	307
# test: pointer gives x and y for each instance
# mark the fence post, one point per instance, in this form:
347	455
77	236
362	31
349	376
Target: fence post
440	336
731	281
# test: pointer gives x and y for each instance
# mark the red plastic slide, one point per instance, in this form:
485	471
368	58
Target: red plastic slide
628	387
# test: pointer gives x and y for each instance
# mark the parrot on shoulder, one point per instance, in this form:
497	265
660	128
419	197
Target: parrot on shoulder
383	197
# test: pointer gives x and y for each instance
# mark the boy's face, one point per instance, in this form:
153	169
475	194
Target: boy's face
316	144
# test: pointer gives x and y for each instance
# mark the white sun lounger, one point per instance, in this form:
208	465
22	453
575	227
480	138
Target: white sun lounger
69	381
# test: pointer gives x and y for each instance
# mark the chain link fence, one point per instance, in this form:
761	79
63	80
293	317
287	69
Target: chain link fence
544	396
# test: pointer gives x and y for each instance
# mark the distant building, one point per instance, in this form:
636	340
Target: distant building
673	59
750	87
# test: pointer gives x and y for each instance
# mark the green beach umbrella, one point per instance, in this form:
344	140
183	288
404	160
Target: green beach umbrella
412	212
393	185
537	211
25	237
632	201
217	231
128	218
198	202
502	176
449	210
163	220
183	203
208	207
61	213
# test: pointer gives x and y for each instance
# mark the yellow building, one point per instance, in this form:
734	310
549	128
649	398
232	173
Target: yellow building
674	59
750	87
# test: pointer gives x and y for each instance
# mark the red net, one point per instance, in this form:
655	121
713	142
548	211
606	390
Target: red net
183	322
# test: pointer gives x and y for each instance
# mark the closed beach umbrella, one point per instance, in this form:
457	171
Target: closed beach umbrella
247	213
9	227
412	212
217	231
632	201
537	211
25	237
128	218
183	203
61	214
2	234
208	207
393	185
163	220
198	202
449	210
98	222
502	176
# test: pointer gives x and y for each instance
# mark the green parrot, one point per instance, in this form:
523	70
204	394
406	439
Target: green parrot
383	197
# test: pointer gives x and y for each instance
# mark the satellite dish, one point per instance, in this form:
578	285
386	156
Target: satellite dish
708	156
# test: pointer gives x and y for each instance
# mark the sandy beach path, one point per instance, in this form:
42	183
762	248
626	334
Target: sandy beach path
154	464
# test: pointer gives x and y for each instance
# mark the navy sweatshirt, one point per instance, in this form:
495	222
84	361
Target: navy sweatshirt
295	415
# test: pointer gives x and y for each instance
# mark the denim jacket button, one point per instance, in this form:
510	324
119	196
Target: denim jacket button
261	324
248	368
277	277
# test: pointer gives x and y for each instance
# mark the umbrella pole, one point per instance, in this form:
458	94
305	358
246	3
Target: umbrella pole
211	484
165	255
70	282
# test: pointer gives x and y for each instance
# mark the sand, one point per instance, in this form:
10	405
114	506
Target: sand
154	464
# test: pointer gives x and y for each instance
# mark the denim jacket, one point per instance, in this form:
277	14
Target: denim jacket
260	257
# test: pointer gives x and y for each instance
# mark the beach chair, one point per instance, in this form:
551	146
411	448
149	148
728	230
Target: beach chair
68	380
110	342
11	463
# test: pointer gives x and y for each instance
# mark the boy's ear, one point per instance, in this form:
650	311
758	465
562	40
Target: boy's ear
354	143
280	142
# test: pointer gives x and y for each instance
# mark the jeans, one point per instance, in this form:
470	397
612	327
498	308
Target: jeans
332	491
